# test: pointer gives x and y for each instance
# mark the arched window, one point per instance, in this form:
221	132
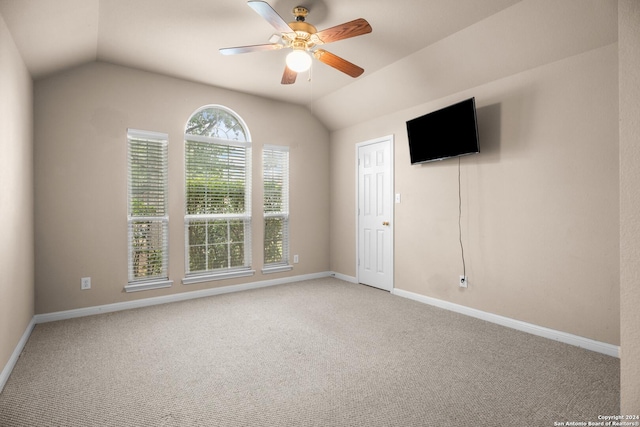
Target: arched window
218	195
215	121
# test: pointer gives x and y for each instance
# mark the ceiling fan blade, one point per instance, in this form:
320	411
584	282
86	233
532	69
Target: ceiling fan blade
338	63
270	15
289	76
353	28
247	49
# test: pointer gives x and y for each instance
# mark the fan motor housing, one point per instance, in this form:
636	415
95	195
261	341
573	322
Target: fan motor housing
303	27
299	25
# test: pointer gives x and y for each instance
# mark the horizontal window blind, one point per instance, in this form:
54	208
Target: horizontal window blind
275	163
217	204
147	216
216	176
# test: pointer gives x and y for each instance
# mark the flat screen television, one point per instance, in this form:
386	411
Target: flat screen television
449	132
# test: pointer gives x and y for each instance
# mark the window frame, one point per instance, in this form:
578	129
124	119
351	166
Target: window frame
161	183
210	274
284	214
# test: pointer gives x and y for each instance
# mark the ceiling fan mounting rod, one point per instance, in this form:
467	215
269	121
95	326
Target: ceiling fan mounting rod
300	12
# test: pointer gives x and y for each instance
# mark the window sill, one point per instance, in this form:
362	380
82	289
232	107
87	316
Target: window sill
145	286
277	269
216	276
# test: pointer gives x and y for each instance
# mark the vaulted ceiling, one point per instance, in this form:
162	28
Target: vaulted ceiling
181	38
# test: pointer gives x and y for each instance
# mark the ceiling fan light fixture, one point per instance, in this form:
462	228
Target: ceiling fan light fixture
298	61
303	38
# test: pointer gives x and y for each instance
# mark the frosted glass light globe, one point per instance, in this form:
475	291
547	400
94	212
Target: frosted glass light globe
298	61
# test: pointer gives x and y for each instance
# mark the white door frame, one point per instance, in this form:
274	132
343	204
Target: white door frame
390	139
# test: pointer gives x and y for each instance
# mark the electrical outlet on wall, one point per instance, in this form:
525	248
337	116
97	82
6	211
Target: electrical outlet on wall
464	281
85	283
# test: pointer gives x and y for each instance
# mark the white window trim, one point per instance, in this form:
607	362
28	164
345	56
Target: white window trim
284	265
273	268
225	273
146	286
221	274
155	283
196	217
147	134
209	276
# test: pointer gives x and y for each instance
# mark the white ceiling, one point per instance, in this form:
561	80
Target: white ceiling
181	38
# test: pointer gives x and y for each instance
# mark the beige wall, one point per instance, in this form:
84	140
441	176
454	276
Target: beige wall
629	56
16	196
81	119
540	203
524	36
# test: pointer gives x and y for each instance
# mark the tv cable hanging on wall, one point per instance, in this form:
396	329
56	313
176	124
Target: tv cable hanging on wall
449	132
463	278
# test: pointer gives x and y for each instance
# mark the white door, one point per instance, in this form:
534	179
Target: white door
375	213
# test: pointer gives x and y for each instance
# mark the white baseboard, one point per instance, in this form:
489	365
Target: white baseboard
4	375
183	296
600	347
575	340
344	277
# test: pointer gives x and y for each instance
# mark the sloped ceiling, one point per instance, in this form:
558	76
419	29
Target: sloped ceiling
527	35
182	38
419	50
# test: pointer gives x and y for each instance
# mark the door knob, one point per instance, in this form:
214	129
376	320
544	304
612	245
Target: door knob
385	223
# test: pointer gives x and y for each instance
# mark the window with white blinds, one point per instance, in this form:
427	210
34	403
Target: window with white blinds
147	213
275	178
217	196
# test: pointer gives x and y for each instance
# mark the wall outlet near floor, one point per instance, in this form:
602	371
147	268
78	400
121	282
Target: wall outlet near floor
464	281
296	259
85	283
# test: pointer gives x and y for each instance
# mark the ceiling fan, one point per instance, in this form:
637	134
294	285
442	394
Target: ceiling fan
303	39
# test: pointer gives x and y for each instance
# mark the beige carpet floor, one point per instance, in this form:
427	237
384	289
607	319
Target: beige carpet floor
316	353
